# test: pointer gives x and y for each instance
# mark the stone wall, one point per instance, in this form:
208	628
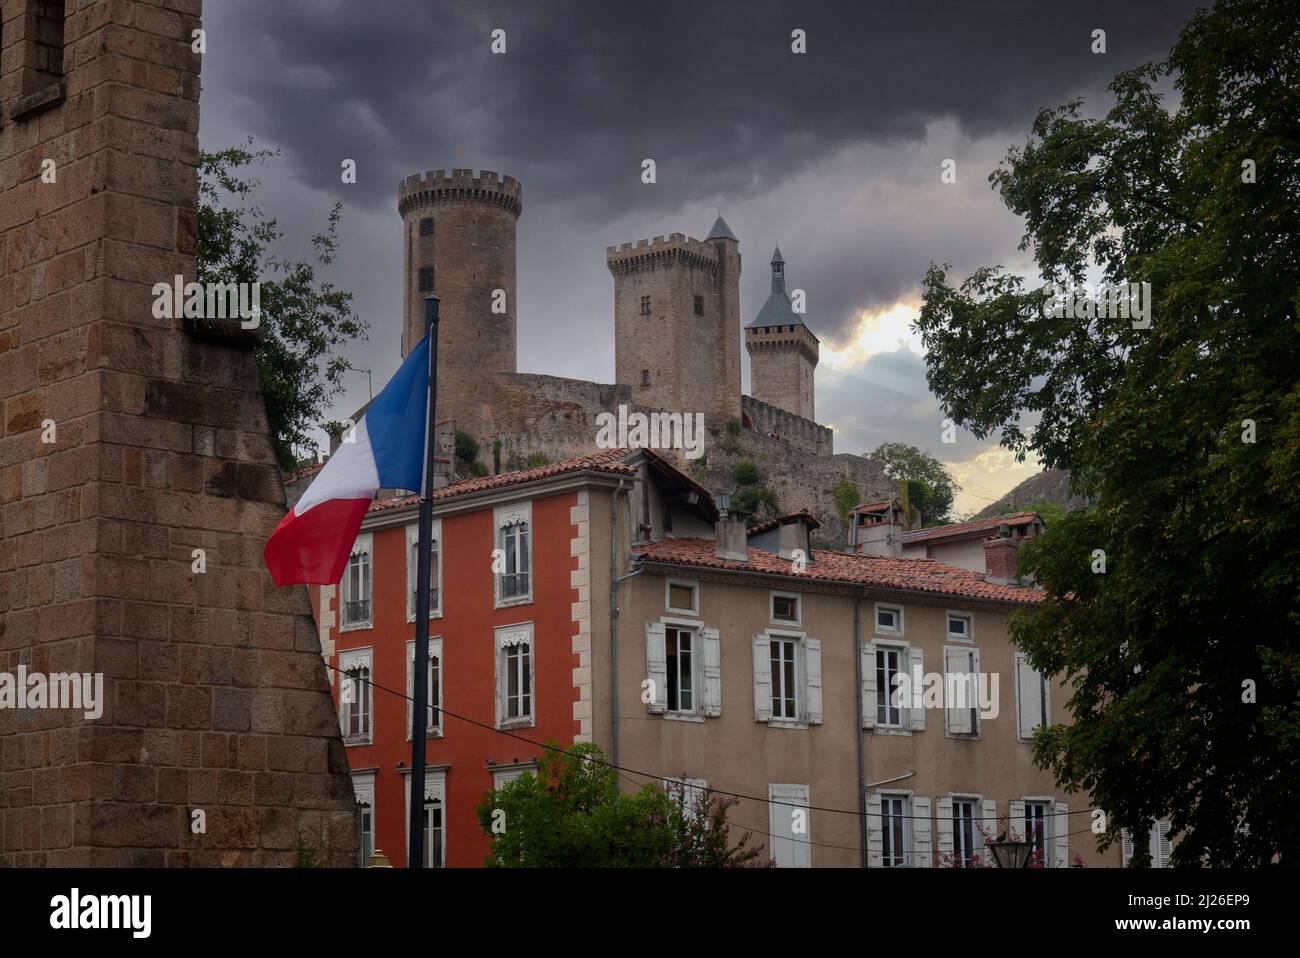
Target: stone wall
130	450
775	422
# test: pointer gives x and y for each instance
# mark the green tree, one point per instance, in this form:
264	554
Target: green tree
306	323
847	496
571	814
930	490
1183	654
745	472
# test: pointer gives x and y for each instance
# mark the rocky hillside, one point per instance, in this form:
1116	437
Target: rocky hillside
1052	485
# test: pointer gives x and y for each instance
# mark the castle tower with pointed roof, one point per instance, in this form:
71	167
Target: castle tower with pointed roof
783	351
677	322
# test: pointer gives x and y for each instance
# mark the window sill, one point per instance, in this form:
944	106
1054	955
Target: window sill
356	627
517	723
351	740
32	104
410	616
786	723
964	736
683	717
429	733
514	601
892	730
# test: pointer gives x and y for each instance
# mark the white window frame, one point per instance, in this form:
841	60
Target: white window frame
977	849
780	798
686	584
353	689
877	629
970	625
504	638
503	516
686	793
434	727
901	648
363	788
364	545
504	774
977	723
798	609
906	798
435	790
697	670
1044	704
1049	834
412	534
800	696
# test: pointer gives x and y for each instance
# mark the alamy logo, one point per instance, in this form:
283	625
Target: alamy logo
1103	301
58	690
242	301
656	430
951	690
74	911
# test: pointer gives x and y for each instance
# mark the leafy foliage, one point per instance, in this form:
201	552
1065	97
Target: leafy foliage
846	495
745	472
571	814
1200	600
930	488
467	448
306	323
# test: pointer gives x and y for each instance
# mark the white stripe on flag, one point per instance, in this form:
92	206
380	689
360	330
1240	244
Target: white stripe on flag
351	473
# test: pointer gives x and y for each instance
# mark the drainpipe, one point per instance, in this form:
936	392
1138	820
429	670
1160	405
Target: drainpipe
859	737
614	580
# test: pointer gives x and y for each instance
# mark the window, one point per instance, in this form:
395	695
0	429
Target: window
791	825
645	377
961	691
515	675
681	596
645	305
1032	707
506	774
787	679
680	658
699	305
426	226
434	818
426	277
967	846
433	678
356	585
889	618
688	793
960	627
785	699
1036	831
435	570
1160	846
355	697
514	541
363	787
894	830
785	607
889	664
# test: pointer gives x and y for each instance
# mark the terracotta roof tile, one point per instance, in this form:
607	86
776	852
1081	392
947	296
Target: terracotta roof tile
603	460
958	529
882	572
880	506
770	524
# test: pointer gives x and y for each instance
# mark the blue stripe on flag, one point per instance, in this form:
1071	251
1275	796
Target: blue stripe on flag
396	422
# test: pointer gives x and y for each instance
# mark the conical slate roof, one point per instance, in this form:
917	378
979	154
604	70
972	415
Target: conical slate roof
778	310
721	231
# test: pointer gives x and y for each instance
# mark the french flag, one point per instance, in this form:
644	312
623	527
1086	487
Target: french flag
385	451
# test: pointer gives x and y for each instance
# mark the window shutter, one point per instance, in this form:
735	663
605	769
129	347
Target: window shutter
1029	697
712	672
916	666
955	663
1060	832
921	834
943	816
812	656
656	665
1164	847
868	656
1126	846
1016	825
988	827
762	679
875	831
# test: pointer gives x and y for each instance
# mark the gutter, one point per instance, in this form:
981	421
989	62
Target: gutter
859	737
614	580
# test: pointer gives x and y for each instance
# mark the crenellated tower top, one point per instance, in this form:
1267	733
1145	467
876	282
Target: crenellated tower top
459	186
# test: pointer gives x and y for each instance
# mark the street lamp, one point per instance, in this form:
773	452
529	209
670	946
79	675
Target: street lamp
1010	854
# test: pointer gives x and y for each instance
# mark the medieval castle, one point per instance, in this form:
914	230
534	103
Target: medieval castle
677	337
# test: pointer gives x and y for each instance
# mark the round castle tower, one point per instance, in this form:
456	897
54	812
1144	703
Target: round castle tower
459	243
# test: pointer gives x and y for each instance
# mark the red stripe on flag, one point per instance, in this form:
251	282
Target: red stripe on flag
314	547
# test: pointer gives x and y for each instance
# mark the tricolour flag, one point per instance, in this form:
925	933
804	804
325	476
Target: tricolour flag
385	451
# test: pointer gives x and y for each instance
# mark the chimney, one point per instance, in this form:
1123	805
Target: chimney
1000	557
794	534
732	540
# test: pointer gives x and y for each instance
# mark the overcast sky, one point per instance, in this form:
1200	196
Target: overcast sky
836	154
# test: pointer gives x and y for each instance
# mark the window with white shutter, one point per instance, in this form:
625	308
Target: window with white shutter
967	846
1031	698
1163	848
1016	820
656	666
916	707
895	831
961	690
867	658
1036	831
812	655
787	679
988	827
875	831
762	679
890	664
680	653
688	793
1126	847
791	825
711	646
944	823
1060	832
922	848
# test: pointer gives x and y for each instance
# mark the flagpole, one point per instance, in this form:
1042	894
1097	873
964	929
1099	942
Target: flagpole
424	562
